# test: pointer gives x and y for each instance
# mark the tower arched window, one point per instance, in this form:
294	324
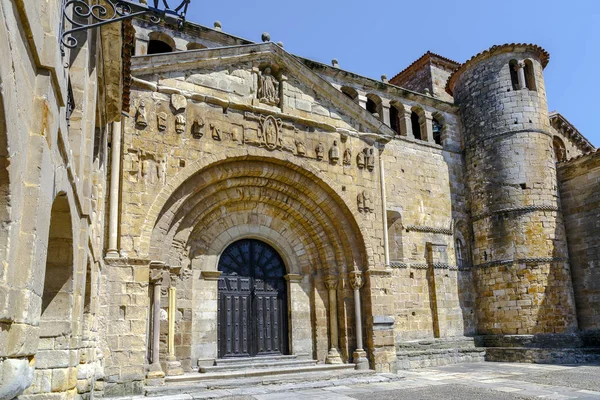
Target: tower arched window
416	125
437	130
351	93
374	105
159	43
459	253
560	152
529	75
514	77
394	119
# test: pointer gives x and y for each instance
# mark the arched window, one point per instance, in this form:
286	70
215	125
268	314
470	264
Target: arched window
350	92
560	153
394	119
416	125
374	105
529	75
460	254
160	43
437	130
514	77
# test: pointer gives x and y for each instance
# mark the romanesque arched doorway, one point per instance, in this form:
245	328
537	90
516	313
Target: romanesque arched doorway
252	301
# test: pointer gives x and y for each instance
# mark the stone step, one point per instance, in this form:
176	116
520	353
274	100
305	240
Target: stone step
258	365
298	379
258	359
251	372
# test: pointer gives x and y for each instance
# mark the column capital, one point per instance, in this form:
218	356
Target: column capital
356	279
331	282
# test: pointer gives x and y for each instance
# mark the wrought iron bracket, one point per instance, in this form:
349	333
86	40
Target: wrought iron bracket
82	15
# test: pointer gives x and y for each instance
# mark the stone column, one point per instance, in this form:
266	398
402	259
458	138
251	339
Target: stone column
360	355
520	68
405	124
386	243
155	373
333	357
115	176
385	109
427	127
173	366
282	89
362	101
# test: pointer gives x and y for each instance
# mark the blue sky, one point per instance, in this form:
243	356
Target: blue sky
378	37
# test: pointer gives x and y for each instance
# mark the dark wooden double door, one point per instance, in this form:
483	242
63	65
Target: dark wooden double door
252	305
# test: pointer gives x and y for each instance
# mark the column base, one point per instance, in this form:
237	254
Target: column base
155	375
360	359
112	253
333	357
173	366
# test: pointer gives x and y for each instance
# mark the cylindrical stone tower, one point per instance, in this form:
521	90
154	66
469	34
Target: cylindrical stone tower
521	268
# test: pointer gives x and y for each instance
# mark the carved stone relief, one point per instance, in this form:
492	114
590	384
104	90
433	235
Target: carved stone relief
365	201
370	158
161	121
216	132
178	101
268	88
180	123
334	153
300	148
140	116
271	131
320	151
360	160
347	156
197	128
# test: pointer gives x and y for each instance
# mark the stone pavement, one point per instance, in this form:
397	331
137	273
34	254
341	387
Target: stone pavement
486	380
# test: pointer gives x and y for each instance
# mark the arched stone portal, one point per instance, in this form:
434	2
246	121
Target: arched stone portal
284	205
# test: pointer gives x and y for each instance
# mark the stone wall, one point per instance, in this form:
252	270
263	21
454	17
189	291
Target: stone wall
579	181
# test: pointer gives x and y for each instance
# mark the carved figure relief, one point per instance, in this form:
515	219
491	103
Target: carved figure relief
216	132
161	121
300	148
320	151
197	126
360	160
180	123
334	153
370	158
140	117
270	130
268	88
347	156
235	133
365	201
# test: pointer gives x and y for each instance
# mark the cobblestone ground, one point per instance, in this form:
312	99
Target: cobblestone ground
494	381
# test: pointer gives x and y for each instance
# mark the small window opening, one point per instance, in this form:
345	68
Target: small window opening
437	131
416	125
514	78
158	47
371	106
350	93
529	75
459	254
394	120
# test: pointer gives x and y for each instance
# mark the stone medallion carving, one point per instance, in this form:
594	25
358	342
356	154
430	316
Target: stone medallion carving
320	151
270	130
161	121
140	116
347	156
180	123
334	153
268	88
197	128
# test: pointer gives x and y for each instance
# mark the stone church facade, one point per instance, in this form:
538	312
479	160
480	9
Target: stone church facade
174	196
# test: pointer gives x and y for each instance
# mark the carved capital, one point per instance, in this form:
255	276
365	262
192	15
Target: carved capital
331	282
356	279
519	65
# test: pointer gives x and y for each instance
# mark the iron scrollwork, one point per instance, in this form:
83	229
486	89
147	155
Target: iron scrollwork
84	14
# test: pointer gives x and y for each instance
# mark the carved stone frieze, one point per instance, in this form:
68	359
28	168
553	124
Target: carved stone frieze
198	128
365	201
334	153
161	121
180	123
216	132
300	148
320	151
347	156
140	117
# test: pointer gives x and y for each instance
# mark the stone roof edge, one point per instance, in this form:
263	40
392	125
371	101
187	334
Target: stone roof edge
583	157
378	127
572	133
497	49
419	62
